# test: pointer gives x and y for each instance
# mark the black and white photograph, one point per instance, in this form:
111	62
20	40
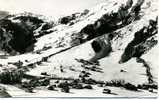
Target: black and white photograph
79	49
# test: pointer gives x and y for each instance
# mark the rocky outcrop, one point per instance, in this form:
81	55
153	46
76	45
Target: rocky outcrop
143	41
72	19
102	47
15	37
18	33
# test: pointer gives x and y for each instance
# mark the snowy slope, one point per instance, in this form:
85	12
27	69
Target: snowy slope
55	51
85	51
63	33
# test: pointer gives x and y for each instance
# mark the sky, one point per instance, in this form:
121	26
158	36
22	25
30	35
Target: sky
47	7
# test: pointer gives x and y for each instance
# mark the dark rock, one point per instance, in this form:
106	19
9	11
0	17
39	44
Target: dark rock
130	87
65	20
64	87
44	82
150	90
47	26
25	85
77	86
88	87
139	86
74	82
30	90
44	73
106	91
34	83
122	70
140	44
19	35
39	62
63	84
51	87
90	81
96	46
147	86
57	81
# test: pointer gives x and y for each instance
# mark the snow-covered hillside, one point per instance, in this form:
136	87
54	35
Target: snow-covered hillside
116	42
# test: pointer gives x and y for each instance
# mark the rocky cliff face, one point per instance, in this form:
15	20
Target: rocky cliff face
17	32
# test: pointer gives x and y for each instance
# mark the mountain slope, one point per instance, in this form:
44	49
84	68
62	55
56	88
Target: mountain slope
116	41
